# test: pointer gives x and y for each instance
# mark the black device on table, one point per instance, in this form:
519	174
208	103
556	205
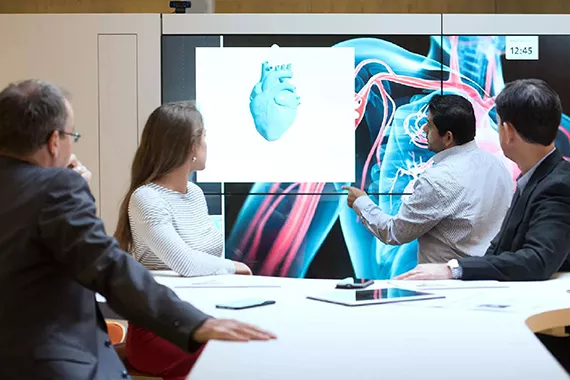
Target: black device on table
354	283
244	304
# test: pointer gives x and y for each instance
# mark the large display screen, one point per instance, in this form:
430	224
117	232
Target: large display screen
291	222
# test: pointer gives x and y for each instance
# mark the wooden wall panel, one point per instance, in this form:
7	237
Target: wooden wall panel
85	6
355	6
263	6
259	6
293	6
533	6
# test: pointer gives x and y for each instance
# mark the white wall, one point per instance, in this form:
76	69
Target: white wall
111	65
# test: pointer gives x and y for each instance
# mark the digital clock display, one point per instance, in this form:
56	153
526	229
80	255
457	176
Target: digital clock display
521	48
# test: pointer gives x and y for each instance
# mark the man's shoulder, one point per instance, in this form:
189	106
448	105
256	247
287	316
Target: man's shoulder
37	178
485	159
440	175
452	171
63	178
554	185
435	181
451	176
559	178
563	168
61	174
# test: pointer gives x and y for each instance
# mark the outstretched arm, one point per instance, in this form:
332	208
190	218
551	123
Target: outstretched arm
76	238
418	214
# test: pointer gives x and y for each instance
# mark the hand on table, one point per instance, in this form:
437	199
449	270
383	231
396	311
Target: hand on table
353	194
427	272
230	330
76	165
242	269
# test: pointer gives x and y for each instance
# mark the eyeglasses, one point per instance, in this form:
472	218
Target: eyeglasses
75	135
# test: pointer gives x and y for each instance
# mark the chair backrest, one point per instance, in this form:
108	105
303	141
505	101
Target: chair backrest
116	331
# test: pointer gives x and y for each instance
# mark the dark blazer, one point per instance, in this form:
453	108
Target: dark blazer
54	256
534	240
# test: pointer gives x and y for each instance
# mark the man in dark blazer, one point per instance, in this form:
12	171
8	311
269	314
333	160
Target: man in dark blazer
55	255
534	240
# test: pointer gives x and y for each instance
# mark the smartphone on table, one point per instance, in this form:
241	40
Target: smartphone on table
354	283
245	304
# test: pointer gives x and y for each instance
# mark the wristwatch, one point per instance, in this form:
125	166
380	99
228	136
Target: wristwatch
456	270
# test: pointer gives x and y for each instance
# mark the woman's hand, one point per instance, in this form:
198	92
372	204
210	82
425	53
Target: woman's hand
243	269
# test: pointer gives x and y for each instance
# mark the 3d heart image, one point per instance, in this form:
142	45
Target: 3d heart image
273	101
277	113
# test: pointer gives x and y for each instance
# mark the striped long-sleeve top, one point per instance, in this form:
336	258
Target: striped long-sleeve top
172	230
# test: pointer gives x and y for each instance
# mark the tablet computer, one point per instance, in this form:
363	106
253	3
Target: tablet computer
373	296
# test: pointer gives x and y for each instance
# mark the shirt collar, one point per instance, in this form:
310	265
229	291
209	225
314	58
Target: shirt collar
522	181
454	150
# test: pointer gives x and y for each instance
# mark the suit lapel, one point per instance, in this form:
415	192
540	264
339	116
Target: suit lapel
505	224
518	208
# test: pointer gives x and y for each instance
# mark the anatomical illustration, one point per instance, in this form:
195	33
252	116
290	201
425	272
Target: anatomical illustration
281	227
273	101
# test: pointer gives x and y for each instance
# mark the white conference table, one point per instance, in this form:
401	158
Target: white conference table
450	338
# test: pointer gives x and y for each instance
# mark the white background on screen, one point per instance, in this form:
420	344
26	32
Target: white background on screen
318	147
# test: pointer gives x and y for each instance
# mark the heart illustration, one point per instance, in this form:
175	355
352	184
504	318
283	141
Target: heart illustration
274	101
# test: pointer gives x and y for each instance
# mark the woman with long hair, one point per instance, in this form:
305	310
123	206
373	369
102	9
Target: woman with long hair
164	223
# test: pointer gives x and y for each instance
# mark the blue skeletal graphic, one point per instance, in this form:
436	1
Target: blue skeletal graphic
399	156
273	101
475	54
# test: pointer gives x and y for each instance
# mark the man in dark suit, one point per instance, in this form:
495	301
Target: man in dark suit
55	254
534	240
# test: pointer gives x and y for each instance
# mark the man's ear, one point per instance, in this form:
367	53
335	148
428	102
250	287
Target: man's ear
448	138
510	132
53	143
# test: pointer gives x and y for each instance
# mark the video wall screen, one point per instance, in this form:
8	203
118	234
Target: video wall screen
479	66
274	188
